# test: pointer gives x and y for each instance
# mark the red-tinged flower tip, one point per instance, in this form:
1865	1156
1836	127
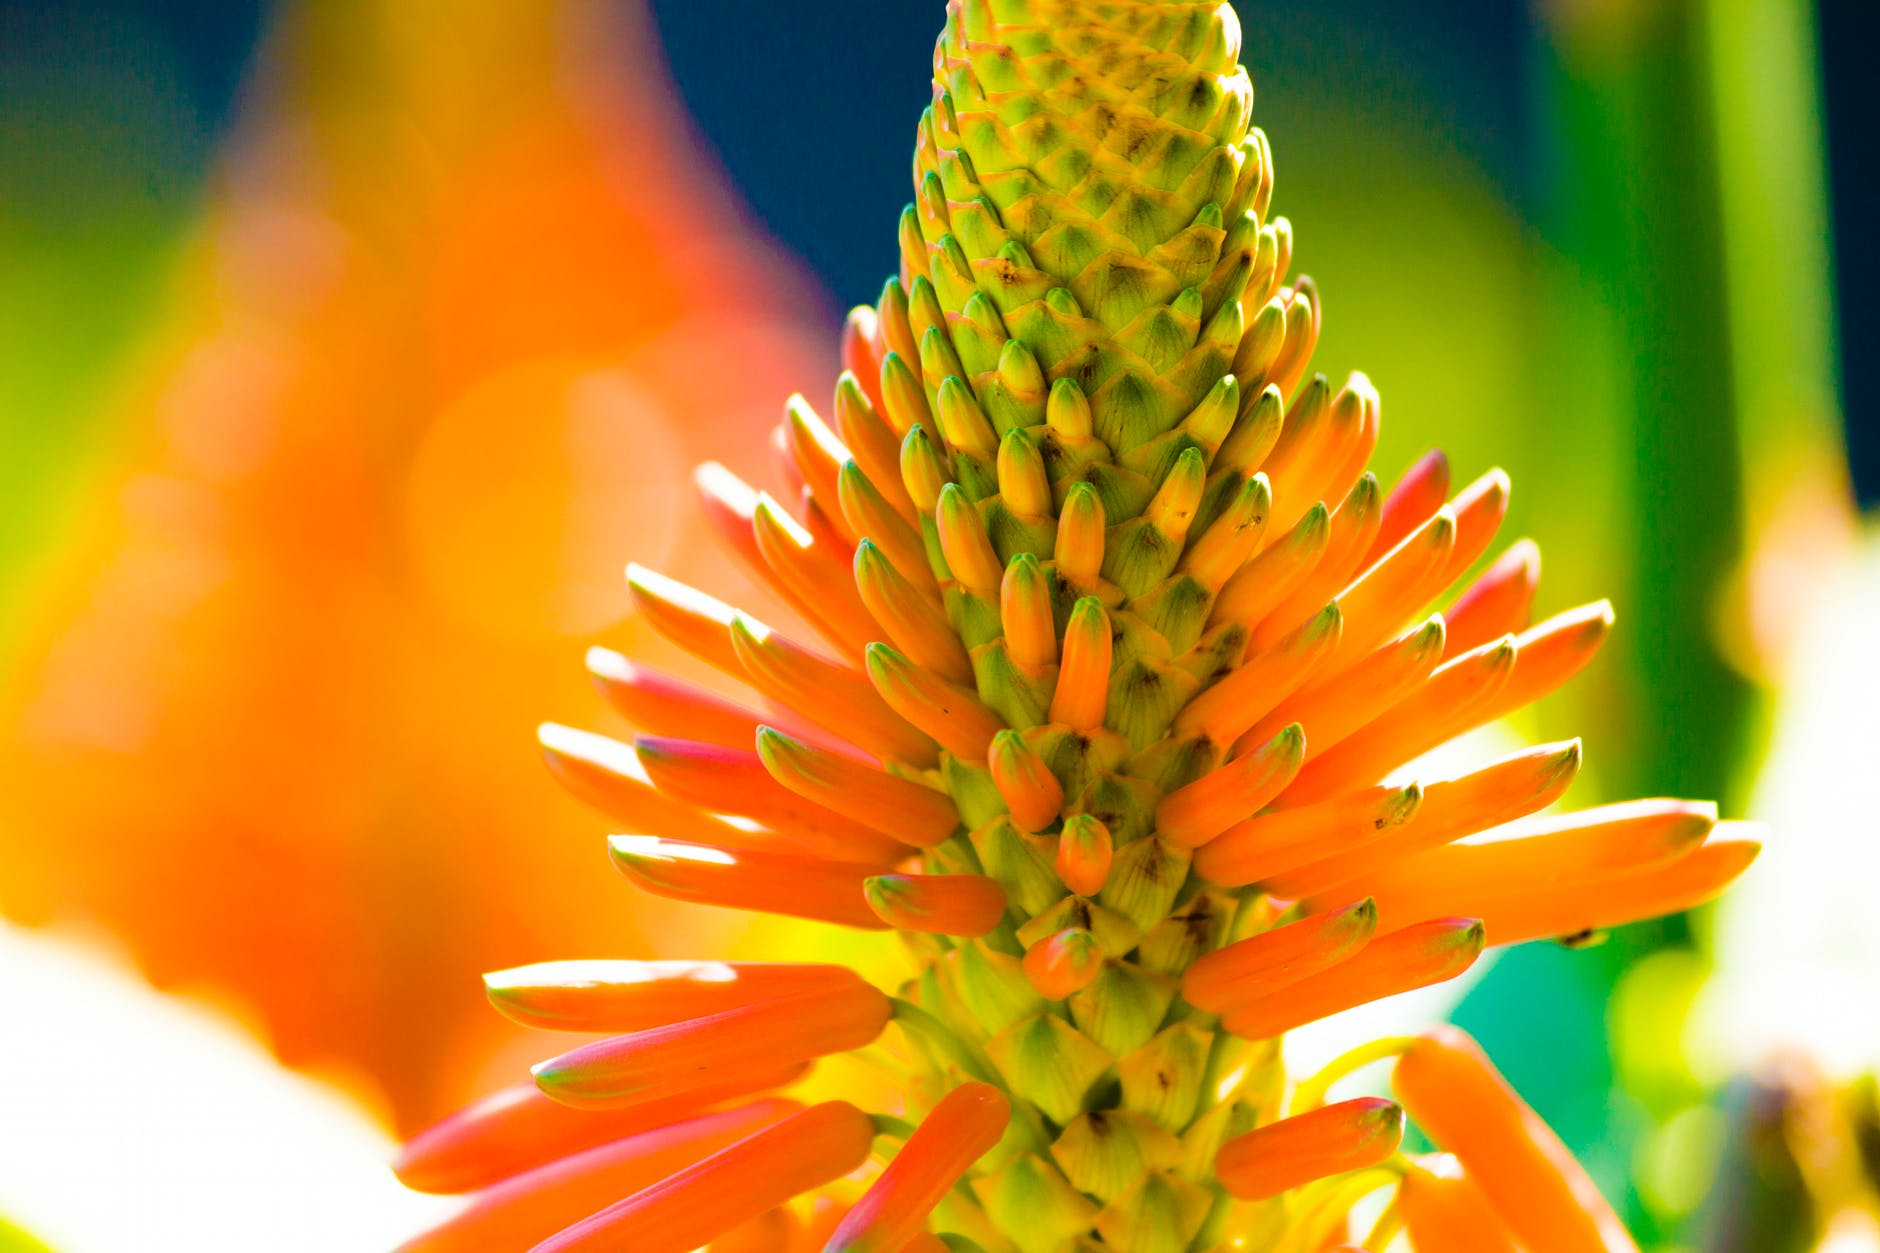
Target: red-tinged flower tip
1416	497
1261	964
1500	601
521	1128
1543	1196
939	904
693	1206
1413	957
1559	850
1191	816
776	883
966	1123
518	1212
609	996
1332	1140
664	705
1063	963
1443	1209
719	1048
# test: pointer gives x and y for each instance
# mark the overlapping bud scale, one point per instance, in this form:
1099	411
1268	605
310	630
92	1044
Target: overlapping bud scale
1122	655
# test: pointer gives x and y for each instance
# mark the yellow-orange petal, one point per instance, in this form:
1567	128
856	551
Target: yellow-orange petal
813	575
1543	1196
1192	815
963	540
1084	854
1331	1140
618	995
861	348
828	693
771	1231
776	883
1500	602
1272	843
736	781
1458	696
521	1211
1332	710
609	776
818	454
752	1039
1386	596
522	1128
900	808
731	1187
915	621
1250	595
1416	497
1083	681
1412	957
1594	905
1550	653
1031	792
1479	509
873	517
1557	850
1025	614
1248	969
1443	1209
1353	527
1517	785
951	715
1078	548
875	446
1062	963
942	904
688	617
966	1123
1243	696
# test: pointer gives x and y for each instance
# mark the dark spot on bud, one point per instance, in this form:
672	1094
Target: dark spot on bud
1585	937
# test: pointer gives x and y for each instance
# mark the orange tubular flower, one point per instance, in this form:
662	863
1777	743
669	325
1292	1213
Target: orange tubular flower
732	1186
1443	1210
1542	1195
1144	641
1328	1141
961	1128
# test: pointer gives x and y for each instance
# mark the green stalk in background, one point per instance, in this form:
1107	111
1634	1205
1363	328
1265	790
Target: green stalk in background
1688	190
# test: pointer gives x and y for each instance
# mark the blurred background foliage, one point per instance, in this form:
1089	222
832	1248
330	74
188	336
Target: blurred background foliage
347	349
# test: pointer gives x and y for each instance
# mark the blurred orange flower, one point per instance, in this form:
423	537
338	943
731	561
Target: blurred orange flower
434	365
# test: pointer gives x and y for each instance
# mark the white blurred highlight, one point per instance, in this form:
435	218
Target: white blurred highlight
1798	938
131	1121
